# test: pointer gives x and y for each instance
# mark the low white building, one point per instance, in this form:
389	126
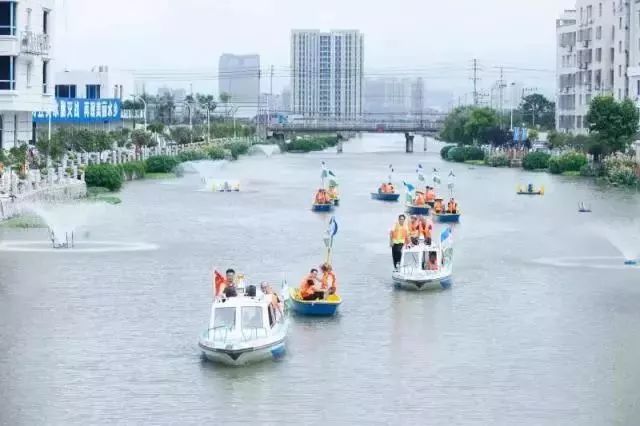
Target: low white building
26	53
98	83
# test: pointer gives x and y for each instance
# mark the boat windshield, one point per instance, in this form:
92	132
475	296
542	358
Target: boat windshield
252	317
225	317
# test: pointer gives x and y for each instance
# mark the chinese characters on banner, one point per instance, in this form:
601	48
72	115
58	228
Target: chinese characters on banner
82	111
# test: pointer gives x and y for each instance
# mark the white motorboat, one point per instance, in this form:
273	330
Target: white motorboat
244	330
415	273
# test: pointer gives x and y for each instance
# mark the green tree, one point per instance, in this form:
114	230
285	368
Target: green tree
181	135
224	97
480	122
537	110
614	123
453	130
166	108
141	138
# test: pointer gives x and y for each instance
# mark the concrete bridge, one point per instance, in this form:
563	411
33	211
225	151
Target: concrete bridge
324	126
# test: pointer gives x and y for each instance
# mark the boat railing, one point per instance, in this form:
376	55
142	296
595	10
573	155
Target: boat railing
218	334
253	333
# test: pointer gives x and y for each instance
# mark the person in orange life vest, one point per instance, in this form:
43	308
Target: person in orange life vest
426	228
419	200
332	194
438	206
321	197
431	195
225	286
398	238
310	286
415	230
383	188
329	282
452	206
433	262
390	188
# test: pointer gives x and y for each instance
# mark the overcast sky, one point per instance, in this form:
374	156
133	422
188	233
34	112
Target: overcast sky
434	39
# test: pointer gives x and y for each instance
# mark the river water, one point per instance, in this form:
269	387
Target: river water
541	326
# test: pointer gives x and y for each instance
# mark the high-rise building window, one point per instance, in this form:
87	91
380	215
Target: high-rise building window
45	76
599	33
8	13
600	9
7	73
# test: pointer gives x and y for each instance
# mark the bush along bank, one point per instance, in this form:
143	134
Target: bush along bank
318	143
112	176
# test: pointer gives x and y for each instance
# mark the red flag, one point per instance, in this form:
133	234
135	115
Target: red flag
218	281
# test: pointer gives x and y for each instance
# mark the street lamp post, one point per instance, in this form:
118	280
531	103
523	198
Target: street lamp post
145	109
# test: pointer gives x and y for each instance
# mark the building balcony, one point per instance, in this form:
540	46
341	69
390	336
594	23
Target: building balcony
32	43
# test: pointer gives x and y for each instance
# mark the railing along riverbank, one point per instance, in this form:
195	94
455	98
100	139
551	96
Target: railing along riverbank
66	180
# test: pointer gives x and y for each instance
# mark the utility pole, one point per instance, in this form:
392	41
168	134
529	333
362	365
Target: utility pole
501	86
475	80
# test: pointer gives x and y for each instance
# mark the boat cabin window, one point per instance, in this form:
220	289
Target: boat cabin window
413	259
252	317
225	317
431	261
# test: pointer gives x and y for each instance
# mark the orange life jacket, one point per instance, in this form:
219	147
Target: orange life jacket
426	229
306	289
438	206
329	280
431	196
419	201
321	198
415	229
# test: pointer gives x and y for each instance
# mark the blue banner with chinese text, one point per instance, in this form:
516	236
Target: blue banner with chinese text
82	111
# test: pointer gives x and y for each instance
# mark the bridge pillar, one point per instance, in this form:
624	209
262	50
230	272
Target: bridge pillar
408	143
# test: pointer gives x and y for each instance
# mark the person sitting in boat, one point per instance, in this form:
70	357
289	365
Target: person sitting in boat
415	230
329	282
382	189
321	197
452	206
430	195
310	289
426	228
438	206
275	304
419	200
432	265
332	193
530	187
390	188
398	238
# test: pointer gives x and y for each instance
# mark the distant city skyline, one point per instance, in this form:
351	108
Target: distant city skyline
401	42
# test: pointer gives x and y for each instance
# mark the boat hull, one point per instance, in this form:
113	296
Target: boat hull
318	308
447	217
530	193
418	210
243	356
322	208
435	283
385	197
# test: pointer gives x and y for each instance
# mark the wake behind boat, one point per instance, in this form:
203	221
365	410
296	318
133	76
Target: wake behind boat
244	329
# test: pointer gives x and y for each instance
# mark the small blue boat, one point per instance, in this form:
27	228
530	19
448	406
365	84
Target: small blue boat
447	217
418	210
322	208
318	308
385	196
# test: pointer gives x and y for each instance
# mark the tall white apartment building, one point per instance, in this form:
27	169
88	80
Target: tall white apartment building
26	33
327	73
597	46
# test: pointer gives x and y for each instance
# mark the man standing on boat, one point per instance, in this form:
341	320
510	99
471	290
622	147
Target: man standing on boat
398	238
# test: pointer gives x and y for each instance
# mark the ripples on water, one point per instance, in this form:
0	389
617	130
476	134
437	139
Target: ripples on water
104	338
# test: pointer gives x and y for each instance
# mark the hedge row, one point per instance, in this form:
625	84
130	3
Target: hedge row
319	143
460	154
